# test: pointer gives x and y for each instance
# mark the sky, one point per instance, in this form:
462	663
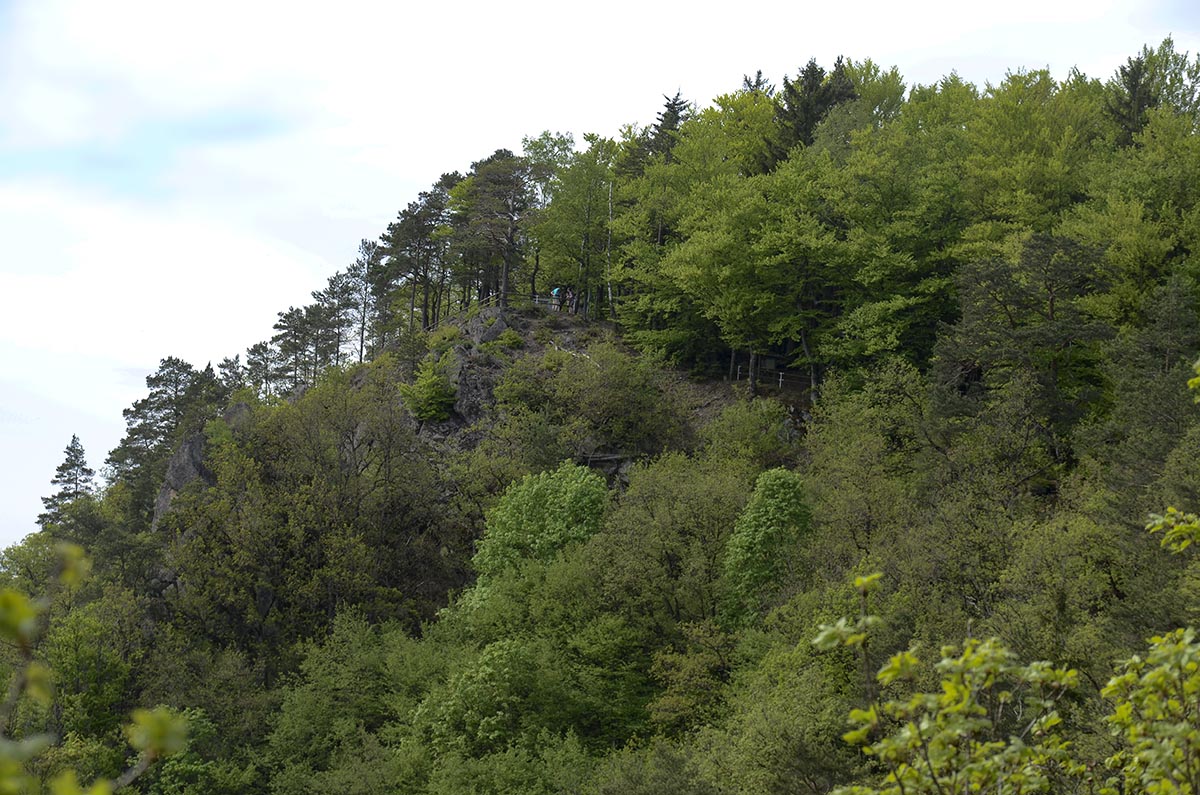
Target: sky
172	175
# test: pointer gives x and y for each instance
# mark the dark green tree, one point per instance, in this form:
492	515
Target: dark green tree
263	368
1028	320
294	343
491	206
232	373
181	400
1131	94
412	263
74	479
362	303
805	101
661	137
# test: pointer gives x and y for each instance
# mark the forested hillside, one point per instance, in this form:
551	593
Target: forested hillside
553	487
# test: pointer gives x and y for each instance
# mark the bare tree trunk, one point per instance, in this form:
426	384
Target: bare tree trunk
412	307
537	264
441	295
612	309
812	367
425	319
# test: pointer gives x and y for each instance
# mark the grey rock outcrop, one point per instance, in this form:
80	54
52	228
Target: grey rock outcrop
185	466
486	326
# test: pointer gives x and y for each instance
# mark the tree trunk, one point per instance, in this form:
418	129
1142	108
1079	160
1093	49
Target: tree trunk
537	264
612	310
412	307
425	319
752	380
812	368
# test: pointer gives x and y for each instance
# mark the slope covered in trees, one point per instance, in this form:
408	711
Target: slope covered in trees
441	535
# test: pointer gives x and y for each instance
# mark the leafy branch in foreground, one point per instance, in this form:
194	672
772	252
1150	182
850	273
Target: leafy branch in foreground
993	723
1158	715
154	734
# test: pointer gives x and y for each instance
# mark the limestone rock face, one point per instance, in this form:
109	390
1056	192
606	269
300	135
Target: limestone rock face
474	385
185	466
486	326
237	416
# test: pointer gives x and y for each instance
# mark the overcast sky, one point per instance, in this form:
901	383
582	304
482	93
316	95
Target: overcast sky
173	174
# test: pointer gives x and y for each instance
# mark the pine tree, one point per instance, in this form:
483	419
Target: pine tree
181	400
1131	93
758	83
805	101
662	134
74	479
491	207
362	309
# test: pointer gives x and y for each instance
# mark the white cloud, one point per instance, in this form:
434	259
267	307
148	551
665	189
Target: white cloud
142	282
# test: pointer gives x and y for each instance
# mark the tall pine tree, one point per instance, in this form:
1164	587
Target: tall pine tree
74	479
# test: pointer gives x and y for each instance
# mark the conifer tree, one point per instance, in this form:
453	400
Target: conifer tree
806	100
1131	93
73	477
662	134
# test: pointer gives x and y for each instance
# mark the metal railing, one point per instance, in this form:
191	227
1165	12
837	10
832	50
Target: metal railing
776	378
515	301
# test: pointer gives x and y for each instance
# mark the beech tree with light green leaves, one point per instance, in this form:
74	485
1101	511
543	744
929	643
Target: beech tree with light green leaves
764	551
540	515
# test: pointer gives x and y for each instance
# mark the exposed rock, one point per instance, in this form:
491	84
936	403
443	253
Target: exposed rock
185	466
237	416
486	326
474	384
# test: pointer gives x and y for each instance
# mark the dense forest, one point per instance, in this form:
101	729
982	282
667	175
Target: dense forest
803	441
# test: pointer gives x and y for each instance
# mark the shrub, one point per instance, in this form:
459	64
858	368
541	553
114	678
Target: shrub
431	396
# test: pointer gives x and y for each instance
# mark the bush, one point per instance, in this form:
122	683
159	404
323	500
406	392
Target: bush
541	514
507	340
443	339
431	396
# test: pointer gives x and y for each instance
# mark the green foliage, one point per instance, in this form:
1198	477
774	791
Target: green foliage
659	769
317	504
862	446
601	401
992	296
508	340
992	724
513	691
1180	530
549	765
539	516
759	430
431	396
93	650
327	715
995	723
1157	715
785	715
444	338
153	734
693	678
193	770
761	553
661	550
